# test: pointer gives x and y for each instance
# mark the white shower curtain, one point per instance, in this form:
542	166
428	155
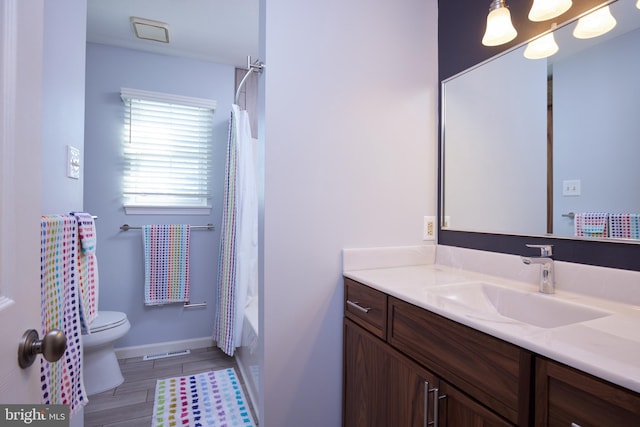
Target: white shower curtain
238	262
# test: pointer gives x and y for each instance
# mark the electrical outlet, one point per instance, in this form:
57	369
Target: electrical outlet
571	187
429	228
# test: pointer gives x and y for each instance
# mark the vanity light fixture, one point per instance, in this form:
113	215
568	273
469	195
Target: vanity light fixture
147	29
638	4
542	47
542	10
595	24
499	29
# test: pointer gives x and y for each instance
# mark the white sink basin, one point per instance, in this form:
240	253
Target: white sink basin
533	308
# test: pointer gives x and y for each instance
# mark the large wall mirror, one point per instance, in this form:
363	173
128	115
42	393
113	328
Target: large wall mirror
551	146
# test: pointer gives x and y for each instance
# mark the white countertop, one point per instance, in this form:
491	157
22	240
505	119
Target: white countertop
607	347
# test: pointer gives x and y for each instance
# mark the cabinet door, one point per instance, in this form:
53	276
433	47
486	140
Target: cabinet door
366	373
494	372
567	397
456	409
413	392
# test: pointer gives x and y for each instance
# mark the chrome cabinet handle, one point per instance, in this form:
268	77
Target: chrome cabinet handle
436	418
425	419
427	390
355	304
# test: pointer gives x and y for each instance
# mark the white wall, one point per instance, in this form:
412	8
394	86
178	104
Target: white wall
349	142
65	31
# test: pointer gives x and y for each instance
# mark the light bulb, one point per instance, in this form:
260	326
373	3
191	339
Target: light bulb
499	27
541	47
638	4
541	10
595	24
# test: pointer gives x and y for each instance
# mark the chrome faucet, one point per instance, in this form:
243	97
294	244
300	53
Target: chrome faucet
547	276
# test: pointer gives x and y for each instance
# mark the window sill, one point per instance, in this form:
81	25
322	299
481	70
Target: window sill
166	210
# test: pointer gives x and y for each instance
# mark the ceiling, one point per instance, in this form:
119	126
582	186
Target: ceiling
221	31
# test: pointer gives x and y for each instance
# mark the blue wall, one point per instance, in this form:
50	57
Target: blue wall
65	31
120	254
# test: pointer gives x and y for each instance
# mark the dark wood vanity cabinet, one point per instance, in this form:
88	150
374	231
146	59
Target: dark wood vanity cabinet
494	373
401	360
366	306
567	397
390	381
381	387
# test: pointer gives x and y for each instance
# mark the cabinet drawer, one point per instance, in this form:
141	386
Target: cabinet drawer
567	397
366	306
494	372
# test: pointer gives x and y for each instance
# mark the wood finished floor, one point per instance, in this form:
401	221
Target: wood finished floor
131	404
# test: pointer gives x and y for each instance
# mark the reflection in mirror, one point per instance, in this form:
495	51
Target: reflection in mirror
548	146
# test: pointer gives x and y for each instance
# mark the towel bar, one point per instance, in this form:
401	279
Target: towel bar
195	305
127	227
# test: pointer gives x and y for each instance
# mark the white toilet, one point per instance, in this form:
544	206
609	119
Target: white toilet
101	369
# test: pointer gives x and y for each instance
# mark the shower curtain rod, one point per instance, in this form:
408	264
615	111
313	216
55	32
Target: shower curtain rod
255	67
127	227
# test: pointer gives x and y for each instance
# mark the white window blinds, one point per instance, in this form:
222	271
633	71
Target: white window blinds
167	150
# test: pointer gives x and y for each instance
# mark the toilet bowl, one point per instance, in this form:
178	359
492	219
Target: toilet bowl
101	368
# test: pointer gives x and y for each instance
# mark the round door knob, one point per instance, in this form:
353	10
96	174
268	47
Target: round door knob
52	347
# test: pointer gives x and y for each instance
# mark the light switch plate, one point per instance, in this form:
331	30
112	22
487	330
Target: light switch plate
73	162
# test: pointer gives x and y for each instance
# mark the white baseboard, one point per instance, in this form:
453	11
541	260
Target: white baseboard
141	350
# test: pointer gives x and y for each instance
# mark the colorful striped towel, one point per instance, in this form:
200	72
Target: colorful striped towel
87	269
166	263
61	381
624	226
592	224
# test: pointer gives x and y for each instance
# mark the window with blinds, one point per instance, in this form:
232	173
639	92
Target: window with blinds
167	150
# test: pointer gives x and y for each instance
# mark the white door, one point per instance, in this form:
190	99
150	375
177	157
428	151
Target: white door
21	45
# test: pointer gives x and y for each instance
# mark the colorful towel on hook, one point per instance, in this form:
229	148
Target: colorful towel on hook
60	309
624	226
592	224
166	263
87	269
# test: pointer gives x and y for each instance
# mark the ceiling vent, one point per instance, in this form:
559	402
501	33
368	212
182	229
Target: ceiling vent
147	29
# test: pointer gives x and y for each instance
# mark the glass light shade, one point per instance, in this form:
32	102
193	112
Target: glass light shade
595	24
541	10
499	28
638	4
541	47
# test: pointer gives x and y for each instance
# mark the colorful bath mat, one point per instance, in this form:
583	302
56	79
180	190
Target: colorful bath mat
208	399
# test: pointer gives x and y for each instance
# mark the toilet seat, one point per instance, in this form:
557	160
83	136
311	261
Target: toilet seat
107	320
